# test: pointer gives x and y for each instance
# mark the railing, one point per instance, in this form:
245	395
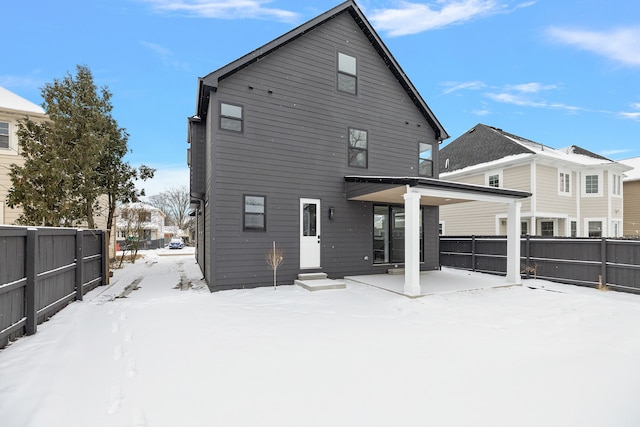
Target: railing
42	270
614	262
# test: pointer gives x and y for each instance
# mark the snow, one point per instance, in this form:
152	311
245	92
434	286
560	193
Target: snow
633	174
173	354
11	101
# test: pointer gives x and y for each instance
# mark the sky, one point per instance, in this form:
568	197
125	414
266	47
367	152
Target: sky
557	72
171	353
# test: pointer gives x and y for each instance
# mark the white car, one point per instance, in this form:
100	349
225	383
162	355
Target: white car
176	244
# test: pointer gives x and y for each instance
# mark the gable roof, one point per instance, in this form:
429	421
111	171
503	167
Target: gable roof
210	81
12	102
483	145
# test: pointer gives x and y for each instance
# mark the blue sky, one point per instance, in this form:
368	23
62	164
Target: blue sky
559	72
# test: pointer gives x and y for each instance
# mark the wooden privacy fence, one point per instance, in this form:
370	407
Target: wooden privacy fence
42	270
577	261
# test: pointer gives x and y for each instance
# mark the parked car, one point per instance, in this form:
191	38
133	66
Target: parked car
176	244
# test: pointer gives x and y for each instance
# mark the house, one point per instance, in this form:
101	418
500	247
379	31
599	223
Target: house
631	191
574	191
139	222
319	142
13	108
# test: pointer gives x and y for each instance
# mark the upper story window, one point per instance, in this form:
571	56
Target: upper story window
564	183
592	185
347	74
358	148
231	117
254	213
494	179
4	135
617	185
425	159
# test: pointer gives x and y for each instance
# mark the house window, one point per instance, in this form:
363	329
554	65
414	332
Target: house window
254	213
231	117
574	229
524	228
617	185
493	179
425	159
595	228
4	135
347	74
564	181
546	228
591	184
358	148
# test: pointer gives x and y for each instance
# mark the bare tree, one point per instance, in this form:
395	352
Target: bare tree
132	219
174	203
274	258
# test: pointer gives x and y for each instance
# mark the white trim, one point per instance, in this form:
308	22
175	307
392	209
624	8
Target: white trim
561	192
602	221
491	173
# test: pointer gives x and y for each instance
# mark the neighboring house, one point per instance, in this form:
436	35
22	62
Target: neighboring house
574	191
631	190
13	108
318	141
140	221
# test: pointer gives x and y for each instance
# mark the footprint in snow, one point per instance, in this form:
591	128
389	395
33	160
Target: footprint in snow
115	398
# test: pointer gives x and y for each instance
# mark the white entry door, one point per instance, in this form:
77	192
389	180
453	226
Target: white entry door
310	233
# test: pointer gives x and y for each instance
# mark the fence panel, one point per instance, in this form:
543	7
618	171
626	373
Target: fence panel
42	270
578	261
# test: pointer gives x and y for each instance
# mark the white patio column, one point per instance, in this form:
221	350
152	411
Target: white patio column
513	243
411	244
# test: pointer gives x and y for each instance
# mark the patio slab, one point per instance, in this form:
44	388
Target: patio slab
435	282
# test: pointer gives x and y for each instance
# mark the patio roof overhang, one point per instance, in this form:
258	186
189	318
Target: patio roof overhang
433	192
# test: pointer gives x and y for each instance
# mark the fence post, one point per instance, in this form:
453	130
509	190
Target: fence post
603	256
527	250
473	253
104	248
79	264
31	261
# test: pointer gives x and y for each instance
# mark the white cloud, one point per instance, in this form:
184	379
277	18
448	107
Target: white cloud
529	95
412	18
229	9
166	56
631	115
455	86
620	44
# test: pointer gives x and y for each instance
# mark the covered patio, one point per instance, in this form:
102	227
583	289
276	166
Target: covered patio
413	192
435	282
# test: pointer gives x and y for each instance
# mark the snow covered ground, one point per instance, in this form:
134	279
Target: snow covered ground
172	354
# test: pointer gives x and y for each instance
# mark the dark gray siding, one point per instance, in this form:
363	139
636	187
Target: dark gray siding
294	145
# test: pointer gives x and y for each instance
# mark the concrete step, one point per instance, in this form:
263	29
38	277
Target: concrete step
312	276
394	271
321	284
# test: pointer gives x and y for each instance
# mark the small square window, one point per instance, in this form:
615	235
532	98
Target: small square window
358	148
494	180
4	135
591	184
425	159
347	74
254	213
231	117
595	228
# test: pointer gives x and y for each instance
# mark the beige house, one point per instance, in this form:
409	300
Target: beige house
574	192
12	109
631	188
